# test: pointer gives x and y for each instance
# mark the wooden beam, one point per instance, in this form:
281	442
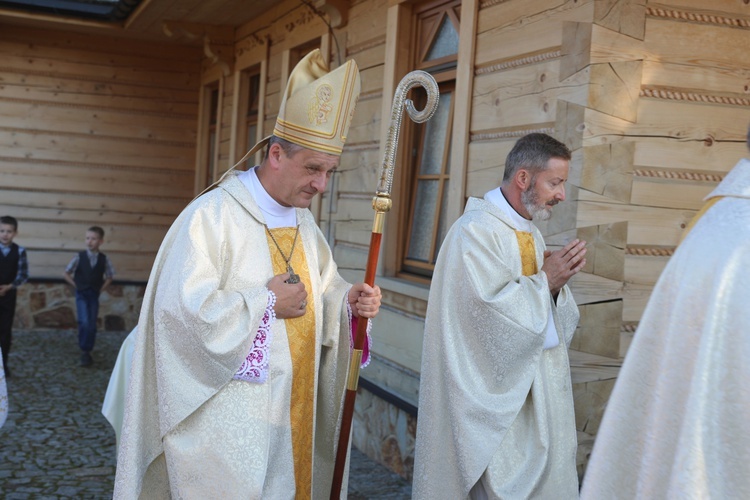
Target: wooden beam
598	330
218	41
142	6
397	63
462	111
60	20
605	244
623	16
607	169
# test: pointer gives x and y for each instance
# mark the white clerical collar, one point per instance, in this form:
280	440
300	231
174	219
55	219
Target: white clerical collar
497	198
276	214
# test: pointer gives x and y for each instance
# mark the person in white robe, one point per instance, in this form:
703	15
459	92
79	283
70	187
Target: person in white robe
113	406
495	403
240	360
676	424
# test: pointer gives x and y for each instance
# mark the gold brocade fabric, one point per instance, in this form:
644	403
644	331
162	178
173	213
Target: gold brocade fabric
528	253
301	335
710	203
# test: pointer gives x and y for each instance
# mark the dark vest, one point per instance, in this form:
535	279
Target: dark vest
9	265
89	277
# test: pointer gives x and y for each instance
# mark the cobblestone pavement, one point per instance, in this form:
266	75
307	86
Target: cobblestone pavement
56	443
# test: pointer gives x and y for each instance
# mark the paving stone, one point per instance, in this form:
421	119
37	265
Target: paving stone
56	443
17	496
68	491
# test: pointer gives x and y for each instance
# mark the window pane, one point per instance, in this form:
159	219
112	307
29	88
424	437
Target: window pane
435	137
446	41
254	96
104	10
211	153
423	221
214	107
252	130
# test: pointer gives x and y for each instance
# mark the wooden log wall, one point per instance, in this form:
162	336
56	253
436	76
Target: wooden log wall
95	130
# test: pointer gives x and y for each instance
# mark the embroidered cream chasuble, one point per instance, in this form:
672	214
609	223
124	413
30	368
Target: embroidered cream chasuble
676	424
494	405
192	431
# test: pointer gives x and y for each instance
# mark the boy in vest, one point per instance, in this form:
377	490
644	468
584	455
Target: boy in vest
14	272
90	272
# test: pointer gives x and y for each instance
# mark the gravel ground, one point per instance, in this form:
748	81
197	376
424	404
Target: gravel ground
56	443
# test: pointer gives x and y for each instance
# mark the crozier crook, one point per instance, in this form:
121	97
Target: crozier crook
381	203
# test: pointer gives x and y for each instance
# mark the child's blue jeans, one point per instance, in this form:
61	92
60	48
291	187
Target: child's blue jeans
87	305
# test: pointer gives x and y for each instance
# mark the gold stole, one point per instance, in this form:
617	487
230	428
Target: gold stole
301	334
528	252
710	203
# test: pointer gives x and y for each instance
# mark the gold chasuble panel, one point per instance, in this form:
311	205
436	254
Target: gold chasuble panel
301	335
706	206
528	252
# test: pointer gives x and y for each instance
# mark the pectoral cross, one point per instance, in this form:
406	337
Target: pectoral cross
293	277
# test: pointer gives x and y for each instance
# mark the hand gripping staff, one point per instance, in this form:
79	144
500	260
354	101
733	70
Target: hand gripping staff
381	203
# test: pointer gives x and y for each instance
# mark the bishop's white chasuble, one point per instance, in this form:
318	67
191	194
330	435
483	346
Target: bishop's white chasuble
191	428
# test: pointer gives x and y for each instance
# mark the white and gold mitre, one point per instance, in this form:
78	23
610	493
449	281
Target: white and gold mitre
318	105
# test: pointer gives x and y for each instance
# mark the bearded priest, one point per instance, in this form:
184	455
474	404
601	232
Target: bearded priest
495	402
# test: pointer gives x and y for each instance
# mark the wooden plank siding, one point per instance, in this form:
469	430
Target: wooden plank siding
95	131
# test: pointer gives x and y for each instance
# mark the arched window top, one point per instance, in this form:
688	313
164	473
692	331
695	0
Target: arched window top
445	42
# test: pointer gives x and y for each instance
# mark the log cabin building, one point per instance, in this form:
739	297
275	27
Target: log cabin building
118	112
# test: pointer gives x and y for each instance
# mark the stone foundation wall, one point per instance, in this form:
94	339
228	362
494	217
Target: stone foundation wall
384	433
52	305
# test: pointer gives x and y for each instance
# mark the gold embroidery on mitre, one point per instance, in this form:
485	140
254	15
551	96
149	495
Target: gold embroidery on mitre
528	252
320	105
317	106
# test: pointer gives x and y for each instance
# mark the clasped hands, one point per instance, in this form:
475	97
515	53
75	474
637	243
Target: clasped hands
291	299
562	264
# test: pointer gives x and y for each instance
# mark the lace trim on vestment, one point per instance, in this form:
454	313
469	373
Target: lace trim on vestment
254	368
353	329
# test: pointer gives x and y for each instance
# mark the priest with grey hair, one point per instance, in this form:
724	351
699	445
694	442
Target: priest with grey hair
495	403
